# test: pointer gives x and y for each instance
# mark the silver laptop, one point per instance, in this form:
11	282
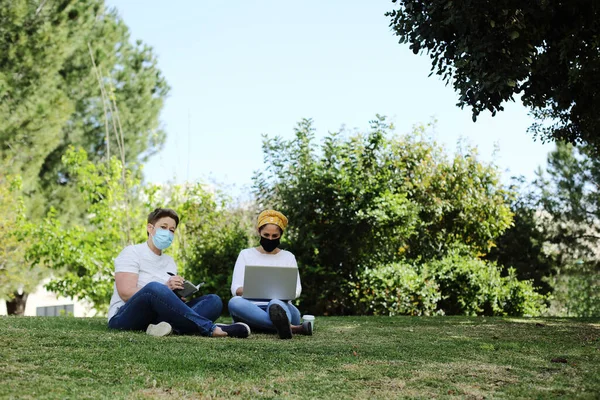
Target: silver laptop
266	283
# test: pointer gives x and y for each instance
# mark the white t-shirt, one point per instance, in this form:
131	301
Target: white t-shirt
254	257
140	259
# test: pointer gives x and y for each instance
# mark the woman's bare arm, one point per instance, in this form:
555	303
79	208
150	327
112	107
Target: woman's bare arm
126	284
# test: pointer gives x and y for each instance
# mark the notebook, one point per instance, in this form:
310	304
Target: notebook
188	289
266	282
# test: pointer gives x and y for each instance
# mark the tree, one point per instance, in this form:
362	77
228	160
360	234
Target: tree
345	210
209	237
50	96
16	280
33	109
461	199
368	200
546	51
570	219
522	246
555	236
83	254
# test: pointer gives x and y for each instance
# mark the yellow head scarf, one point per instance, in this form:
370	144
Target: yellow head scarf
272	217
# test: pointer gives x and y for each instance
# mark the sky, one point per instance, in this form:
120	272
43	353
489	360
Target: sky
240	69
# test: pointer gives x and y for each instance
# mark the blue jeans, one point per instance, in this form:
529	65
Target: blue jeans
257	317
155	303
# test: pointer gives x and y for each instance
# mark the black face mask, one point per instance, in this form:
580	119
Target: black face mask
269	244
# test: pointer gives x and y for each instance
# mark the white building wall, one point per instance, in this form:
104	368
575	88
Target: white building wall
44	298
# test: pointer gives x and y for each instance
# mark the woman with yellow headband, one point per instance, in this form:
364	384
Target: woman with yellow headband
274	315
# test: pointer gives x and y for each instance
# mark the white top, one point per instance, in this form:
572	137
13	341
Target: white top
150	267
254	257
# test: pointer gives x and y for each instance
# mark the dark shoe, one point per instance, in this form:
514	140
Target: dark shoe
236	330
281	322
307	328
161	329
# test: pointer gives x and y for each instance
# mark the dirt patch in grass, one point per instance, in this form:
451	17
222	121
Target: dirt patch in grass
165	393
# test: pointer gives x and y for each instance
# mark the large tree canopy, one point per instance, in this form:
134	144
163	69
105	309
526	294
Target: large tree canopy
546	51
50	99
50	96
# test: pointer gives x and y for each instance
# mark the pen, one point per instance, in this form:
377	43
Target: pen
170	273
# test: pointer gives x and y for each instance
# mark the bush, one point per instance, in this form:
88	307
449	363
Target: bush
470	286
454	285
394	289
522	299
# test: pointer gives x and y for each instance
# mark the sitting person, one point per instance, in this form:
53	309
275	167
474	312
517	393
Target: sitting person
274	315
143	297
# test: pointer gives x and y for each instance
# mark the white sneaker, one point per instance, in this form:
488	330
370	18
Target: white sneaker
160	329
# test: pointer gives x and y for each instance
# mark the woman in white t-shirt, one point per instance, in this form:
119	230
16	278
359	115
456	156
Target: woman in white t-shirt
144	297
271	315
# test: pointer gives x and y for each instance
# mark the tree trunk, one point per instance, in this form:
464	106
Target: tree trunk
16	306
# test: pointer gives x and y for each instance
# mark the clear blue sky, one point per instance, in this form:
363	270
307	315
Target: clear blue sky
243	68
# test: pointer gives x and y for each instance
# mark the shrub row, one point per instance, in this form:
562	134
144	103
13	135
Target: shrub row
454	285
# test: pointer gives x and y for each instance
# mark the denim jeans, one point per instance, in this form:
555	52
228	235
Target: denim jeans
257	317
155	303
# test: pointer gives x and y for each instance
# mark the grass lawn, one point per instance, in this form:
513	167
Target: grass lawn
349	357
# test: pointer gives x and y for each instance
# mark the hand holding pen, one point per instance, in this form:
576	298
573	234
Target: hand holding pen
175	282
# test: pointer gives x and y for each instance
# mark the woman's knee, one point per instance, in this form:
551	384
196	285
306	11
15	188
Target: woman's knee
235	303
236	300
215	301
284	305
279	302
214	298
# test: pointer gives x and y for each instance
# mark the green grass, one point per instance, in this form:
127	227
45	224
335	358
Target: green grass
349	357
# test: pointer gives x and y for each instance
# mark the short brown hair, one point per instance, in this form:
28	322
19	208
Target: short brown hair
159	213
